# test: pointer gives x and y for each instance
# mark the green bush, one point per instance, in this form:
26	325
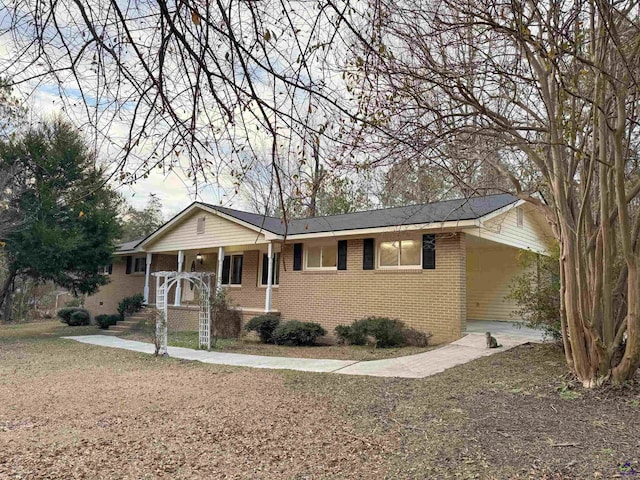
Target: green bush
296	333
79	317
537	292
105	321
263	325
387	332
130	305
64	314
350	336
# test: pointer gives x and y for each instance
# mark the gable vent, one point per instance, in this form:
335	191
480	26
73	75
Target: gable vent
200	227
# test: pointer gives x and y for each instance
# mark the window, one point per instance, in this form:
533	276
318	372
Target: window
106	269
519	217
200	226
139	265
264	269
322	256
232	270
401	253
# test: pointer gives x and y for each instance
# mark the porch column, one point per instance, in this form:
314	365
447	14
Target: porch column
147	274
179	282
267	298
220	264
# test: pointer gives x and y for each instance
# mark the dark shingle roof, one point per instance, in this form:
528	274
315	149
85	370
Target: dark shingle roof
127	246
445	211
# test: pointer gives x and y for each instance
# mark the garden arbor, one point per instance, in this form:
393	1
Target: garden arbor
164	282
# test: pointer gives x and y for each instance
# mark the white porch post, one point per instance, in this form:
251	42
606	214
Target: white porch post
179	282
268	294
146	279
220	264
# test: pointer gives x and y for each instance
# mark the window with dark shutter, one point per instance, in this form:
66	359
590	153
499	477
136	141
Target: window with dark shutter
342	255
297	256
428	252
110	268
226	264
128	270
368	254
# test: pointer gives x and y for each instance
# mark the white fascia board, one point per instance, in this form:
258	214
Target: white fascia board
396	228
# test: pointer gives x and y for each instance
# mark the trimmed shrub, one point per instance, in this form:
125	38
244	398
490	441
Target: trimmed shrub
296	333
415	338
105	321
350	336
130	305
79	317
263	325
64	314
387	332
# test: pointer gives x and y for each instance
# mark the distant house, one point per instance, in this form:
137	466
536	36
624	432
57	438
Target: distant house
434	266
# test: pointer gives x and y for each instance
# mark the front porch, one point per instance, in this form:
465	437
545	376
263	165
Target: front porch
248	274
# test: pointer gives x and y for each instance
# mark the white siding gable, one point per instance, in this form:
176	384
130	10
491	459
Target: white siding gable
533	233
203	229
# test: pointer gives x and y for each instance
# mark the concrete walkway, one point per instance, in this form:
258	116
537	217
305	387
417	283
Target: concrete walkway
219	358
469	347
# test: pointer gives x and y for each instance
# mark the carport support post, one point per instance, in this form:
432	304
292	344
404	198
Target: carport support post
147	274
220	264
179	282
268	294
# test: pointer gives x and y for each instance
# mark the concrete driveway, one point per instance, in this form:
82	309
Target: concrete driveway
468	348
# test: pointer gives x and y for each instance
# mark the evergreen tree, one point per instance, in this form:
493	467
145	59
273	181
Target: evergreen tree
69	214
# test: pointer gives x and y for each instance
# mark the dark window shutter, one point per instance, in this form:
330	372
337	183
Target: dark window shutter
226	266
297	256
368	254
428	252
342	255
110	268
265	269
128	270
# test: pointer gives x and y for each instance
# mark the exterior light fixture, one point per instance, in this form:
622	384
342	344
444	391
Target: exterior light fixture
199	258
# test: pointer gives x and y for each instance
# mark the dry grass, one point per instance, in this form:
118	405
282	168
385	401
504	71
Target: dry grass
70	410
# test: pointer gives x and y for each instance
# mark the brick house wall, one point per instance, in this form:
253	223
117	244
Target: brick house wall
122	285
428	300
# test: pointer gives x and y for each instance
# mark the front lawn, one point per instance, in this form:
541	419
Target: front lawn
252	346
73	410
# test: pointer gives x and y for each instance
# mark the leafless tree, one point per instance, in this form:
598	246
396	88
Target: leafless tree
552	87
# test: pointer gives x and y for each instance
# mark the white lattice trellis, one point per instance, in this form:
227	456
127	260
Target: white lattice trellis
164	282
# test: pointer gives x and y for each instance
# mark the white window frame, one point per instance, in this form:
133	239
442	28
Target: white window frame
139	260
234	285
321	245
264	285
398	266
